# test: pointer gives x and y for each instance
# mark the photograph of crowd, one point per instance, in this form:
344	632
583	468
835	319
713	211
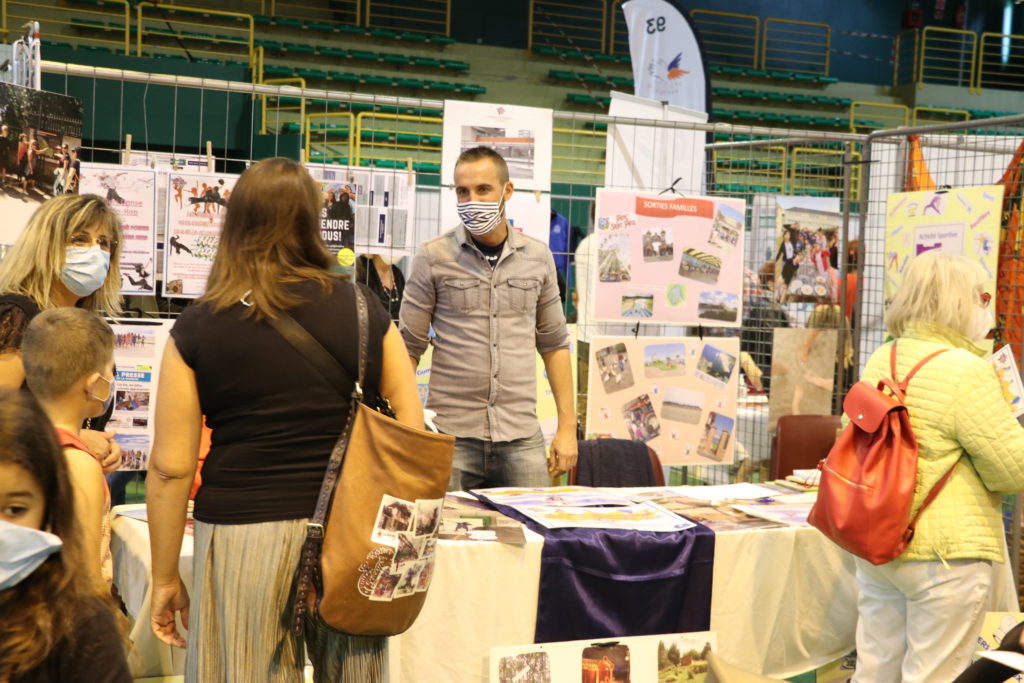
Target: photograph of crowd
699	266
807	252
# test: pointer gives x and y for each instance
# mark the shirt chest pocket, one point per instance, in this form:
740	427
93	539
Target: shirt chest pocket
463	293
521	294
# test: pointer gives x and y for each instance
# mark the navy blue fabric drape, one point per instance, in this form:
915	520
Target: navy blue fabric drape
598	583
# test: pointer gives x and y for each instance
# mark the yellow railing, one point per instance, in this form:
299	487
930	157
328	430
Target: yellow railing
946	56
582	24
870	116
764	166
577	155
814	169
729	38
256	65
422	16
618	32
326	130
905	53
991	72
789	45
337	11
295	80
49	16
194	17
926	115
425	141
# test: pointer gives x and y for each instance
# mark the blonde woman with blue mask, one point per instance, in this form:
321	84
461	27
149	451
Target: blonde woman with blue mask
67	255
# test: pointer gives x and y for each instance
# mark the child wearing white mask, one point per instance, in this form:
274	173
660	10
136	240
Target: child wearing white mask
57	624
72	387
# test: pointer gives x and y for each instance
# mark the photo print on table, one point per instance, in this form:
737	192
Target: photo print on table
715	365
716	440
407	548
393	515
410	573
664	360
720	306
606	663
726	228
526	667
641	420
700	266
657	245
616	371
613	255
426	574
637	305
682	659
428	515
682	405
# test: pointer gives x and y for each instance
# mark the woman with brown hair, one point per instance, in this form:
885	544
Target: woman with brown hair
57	625
275	420
67	255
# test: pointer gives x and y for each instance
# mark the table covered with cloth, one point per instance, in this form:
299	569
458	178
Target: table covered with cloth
783	600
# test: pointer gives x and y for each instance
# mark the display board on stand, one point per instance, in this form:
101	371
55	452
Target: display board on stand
195	210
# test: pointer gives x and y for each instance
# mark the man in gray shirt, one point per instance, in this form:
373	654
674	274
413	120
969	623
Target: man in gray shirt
491	294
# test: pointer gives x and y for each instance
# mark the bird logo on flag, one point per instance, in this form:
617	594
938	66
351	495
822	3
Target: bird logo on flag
674	71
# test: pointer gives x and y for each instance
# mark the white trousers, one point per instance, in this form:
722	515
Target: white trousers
919	621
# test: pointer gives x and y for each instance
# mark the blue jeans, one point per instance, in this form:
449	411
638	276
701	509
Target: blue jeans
480	464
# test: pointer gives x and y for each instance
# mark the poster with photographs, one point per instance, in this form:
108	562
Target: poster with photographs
634	659
38	132
195	209
964	220
803	373
521	135
806	249
676	395
527	212
138	348
131	194
666	259
409	529
365	210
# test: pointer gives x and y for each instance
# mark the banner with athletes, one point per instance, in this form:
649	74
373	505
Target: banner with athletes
668	61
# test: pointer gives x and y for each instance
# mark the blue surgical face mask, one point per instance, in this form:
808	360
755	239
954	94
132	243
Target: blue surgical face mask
85	269
22	550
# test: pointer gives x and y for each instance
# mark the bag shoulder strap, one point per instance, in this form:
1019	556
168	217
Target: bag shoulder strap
909	534
913	371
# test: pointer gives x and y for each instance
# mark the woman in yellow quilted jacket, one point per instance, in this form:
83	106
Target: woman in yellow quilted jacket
920	615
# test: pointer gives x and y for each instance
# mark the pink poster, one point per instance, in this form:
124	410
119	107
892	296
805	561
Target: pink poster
667	259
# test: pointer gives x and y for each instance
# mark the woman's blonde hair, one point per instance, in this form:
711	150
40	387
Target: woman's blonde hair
830	317
271	235
35	262
938	289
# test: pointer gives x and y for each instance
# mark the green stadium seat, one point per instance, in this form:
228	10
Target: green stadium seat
454	65
622	82
472	89
414	37
580	98
600	127
261	20
441	86
757	73
373	79
805	78
321	26
414	83
827	79
345	77
442	40
314	74
771	117
752	94
299	48
269	45
391	58
329	51
351	30
559	75
278	71
799	98
781	75
364	55
289	22
427	62
777	97
383	33
733	70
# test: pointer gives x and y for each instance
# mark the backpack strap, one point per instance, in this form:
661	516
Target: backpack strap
910	375
909	533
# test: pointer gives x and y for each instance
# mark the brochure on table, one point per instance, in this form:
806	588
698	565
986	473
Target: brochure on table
131	194
636	659
366	210
964	220
676	395
1009	379
138	348
521	135
668	259
195	210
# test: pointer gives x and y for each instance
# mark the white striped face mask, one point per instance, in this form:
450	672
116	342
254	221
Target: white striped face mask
481	217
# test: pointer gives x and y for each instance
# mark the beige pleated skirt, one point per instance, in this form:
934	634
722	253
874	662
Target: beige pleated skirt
243	595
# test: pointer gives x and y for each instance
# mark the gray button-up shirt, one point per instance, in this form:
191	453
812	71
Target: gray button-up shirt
488	326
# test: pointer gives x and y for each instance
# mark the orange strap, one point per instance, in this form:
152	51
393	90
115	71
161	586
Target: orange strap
906	380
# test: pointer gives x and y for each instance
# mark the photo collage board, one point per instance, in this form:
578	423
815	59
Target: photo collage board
196	205
677	395
668	259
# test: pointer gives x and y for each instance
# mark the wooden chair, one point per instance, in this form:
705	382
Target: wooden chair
656	468
800	442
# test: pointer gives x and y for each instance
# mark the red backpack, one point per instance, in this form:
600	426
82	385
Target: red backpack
868	478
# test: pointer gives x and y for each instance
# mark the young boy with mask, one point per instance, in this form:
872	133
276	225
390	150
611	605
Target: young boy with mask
68	354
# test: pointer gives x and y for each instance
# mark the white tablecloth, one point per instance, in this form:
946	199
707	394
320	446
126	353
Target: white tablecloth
784	601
